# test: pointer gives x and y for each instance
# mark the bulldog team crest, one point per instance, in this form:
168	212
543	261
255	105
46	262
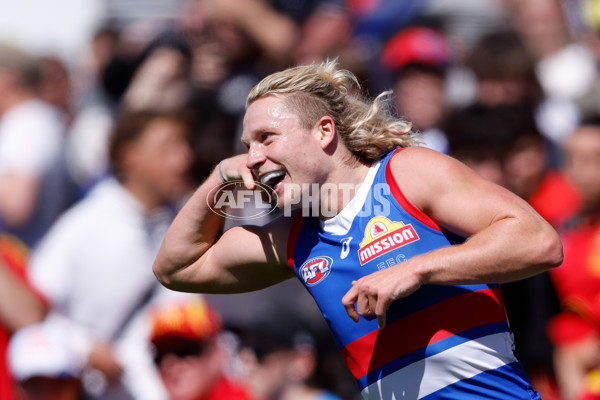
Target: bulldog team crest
383	236
316	269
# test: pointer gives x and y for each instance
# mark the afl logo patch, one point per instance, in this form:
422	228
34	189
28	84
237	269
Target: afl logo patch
315	270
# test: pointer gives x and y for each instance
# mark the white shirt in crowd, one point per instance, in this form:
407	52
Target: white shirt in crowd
95	267
32	141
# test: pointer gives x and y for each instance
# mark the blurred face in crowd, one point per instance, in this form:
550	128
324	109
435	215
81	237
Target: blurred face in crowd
539	19
420	97
493	91
9	83
266	377
156	165
486	163
525	165
191	374
582	162
54	85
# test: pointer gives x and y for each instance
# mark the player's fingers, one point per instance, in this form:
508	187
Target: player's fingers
381	321
381	310
373	304
248	178
349	300
363	306
235	169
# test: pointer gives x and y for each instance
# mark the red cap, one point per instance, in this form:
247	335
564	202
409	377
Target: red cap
416	45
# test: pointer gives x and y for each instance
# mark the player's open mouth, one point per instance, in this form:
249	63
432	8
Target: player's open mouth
271	179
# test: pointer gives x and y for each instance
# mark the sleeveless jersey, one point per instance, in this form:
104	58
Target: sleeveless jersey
441	342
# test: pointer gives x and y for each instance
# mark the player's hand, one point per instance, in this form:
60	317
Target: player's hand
235	168
373	294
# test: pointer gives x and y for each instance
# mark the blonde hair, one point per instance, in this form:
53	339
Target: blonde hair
367	127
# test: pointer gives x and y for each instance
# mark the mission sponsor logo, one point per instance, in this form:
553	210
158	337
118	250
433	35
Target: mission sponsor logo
383	236
316	269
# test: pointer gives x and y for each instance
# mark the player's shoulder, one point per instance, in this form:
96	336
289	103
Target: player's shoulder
417	153
423	173
419	160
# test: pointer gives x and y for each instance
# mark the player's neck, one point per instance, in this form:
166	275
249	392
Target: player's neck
340	188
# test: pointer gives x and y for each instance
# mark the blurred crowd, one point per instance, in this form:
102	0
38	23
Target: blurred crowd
98	153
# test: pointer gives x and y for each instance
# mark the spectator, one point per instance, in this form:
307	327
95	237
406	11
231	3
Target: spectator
86	79
465	22
54	86
165	79
44	365
193	362
32	136
327	32
566	69
575	332
529	171
532	302
117	229
505	71
158	78
587	27
282	361
94	105
228	39
161	79
419	57
480	136
219	56
376	21
19	304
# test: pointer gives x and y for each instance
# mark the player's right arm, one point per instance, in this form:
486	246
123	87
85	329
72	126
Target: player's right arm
196	257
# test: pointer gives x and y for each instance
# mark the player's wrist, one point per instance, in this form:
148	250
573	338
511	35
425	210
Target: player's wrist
421	270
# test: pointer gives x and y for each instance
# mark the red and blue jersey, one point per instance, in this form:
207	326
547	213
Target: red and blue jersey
441	342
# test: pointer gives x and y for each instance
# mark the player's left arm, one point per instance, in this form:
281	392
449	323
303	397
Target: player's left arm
506	239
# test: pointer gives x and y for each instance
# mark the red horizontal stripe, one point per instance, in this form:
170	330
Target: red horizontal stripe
424	327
